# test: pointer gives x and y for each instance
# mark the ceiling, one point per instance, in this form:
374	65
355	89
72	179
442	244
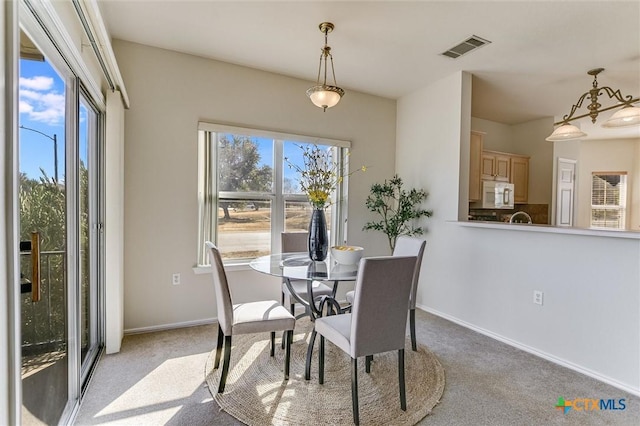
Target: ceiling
535	67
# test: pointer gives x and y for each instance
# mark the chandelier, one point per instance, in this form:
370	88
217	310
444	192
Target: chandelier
629	115
323	95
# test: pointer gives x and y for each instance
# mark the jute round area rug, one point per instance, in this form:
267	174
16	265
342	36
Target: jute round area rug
256	393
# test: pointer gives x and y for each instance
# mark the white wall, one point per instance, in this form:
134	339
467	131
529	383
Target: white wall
485	278
529	139
170	93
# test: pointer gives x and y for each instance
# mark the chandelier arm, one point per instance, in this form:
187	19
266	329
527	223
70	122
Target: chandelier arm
324	81
335	83
618	95
319	70
567	120
577	105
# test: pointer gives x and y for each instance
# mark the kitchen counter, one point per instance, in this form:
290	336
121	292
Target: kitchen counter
550	229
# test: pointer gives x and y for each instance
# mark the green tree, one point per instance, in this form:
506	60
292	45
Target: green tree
42	210
397	208
238	169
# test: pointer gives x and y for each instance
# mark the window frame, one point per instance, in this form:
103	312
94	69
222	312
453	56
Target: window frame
621	207
209	196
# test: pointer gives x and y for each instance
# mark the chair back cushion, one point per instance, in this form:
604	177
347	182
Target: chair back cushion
379	315
221	287
411	246
294	241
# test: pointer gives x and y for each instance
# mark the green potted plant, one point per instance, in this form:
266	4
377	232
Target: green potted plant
397	208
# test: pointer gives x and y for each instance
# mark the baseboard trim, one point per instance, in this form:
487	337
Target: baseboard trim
534	351
163	327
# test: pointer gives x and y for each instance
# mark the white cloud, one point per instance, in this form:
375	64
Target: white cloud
46	106
25	107
38	82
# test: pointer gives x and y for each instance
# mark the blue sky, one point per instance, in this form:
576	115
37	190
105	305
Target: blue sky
42	108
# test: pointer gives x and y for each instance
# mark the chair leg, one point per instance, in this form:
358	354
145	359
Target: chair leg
367	364
354	390
292	308
412	327
321	361
225	363
403	394
273	343
218	347
307	367
287	354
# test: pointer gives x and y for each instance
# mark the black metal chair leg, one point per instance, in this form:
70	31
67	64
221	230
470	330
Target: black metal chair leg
218	347
412	327
321	361
403	394
367	364
225	363
284	334
287	354
273	343
292	309
307	367
354	390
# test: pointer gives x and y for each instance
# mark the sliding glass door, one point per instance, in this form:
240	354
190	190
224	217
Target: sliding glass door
59	194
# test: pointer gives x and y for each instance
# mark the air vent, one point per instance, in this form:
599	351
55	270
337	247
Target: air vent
466	46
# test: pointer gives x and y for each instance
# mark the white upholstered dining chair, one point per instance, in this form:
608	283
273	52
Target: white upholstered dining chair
245	318
407	246
377	321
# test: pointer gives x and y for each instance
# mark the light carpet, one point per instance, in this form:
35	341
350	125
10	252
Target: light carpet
256	393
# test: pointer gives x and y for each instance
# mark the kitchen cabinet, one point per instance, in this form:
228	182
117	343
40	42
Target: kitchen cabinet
520	179
496	166
475	161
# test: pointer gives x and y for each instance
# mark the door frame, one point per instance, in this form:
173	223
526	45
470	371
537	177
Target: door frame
10	352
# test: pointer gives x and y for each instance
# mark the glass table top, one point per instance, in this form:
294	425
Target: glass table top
298	266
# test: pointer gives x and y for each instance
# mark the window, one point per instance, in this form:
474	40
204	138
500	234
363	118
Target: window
248	194
608	199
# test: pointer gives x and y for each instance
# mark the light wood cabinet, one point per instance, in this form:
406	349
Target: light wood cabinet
496	166
475	161
520	179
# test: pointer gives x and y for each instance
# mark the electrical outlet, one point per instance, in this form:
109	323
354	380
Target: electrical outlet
176	279
537	297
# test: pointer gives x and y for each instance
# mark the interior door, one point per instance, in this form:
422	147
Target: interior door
565	191
43	194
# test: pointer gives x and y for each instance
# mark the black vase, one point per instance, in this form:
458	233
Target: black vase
318	237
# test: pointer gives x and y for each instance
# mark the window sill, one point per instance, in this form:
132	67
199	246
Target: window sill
228	267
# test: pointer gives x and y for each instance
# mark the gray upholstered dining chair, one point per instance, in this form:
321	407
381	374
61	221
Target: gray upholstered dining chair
407	246
296	242
377	321
245	318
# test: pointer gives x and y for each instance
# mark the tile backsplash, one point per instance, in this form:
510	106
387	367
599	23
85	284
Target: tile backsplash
539	213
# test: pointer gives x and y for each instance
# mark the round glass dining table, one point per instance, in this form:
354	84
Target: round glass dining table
298	266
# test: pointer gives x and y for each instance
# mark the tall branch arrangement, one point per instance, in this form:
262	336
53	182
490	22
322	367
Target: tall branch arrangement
397	208
320	174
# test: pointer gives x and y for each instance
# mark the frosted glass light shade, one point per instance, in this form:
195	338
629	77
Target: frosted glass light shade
324	96
627	116
566	132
